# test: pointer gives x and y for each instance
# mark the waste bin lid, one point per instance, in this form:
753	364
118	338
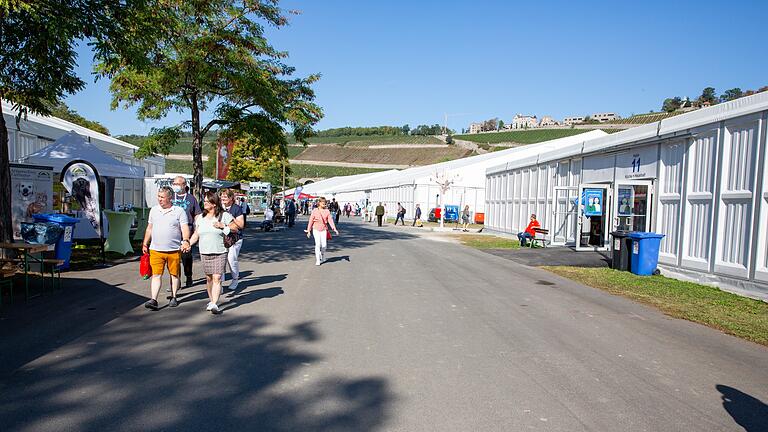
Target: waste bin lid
55	217
644	235
620	233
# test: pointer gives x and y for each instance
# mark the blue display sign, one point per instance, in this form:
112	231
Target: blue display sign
626	201
593	205
451	213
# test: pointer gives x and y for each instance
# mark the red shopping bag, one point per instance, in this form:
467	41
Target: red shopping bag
145	270
328	234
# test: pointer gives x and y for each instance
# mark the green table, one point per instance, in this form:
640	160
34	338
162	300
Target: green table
119	231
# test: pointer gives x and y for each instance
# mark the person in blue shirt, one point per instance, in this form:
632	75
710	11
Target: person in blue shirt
188	202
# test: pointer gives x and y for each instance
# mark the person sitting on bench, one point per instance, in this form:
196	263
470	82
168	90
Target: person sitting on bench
529	232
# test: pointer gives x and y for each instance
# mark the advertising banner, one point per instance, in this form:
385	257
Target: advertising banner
297	193
81	180
31	193
626	201
223	152
593	202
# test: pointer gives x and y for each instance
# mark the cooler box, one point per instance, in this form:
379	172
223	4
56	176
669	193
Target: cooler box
480	218
64	244
645	252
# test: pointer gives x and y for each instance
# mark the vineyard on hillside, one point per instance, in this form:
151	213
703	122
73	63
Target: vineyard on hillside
367	140
521	137
394	156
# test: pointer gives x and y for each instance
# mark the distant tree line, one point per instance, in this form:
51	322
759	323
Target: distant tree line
364	131
62	111
708	96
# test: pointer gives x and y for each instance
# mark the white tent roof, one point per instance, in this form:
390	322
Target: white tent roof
471	169
72	147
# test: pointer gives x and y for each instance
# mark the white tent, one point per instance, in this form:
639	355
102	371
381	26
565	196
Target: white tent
71	147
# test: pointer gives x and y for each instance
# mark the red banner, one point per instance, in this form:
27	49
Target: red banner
223	152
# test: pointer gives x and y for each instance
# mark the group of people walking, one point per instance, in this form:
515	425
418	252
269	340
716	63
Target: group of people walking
176	224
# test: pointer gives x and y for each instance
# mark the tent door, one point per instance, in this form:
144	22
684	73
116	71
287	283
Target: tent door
594	202
565	213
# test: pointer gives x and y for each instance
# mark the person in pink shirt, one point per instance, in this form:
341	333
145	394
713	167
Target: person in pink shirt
318	227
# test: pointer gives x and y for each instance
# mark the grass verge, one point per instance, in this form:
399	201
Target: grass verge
730	313
478	241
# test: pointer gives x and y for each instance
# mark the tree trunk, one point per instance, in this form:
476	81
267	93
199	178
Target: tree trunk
6	222
197	151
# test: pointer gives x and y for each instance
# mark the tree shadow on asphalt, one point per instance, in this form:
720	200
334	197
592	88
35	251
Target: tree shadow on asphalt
749	412
218	373
234	301
293	244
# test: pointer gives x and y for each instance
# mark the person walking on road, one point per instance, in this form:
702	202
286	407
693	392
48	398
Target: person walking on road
530	231
417	216
187	202
379	213
290	212
400	214
166	237
465	218
210	228
317	226
233	253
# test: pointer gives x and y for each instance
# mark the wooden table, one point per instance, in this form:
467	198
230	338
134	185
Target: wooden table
26	250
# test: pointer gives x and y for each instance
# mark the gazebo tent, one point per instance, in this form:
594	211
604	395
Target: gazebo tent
73	146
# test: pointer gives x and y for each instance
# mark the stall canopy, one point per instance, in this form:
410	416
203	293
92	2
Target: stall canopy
72	147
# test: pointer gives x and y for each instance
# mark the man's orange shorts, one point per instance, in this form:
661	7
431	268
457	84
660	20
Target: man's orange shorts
159	260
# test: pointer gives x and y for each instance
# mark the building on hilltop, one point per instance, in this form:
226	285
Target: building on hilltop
548	121
475	128
524	121
570	121
604	117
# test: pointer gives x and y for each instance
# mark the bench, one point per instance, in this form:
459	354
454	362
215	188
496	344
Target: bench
540	237
55	270
6	280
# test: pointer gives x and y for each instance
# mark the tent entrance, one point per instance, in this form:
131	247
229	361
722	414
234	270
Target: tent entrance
565	212
593	222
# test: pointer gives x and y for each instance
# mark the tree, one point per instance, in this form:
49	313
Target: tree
37	48
731	94
708	95
406	129
251	160
501	124
217	55
671	104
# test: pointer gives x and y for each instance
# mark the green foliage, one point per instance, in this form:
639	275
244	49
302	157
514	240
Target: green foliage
520	137
731	94
62	111
671	104
159	142
708	95
254	160
362	131
435	129
214	57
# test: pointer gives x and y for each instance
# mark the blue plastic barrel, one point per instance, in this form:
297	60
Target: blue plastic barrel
645	252
64	245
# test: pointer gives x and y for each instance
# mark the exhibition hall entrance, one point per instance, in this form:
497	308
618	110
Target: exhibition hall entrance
593	220
632	206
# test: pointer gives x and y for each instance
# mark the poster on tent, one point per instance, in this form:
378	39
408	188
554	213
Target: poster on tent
593	202
81	180
153	184
31	193
223	153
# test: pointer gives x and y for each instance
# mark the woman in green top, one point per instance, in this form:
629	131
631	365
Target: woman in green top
210	228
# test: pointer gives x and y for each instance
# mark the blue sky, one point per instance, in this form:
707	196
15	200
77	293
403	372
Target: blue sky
410	62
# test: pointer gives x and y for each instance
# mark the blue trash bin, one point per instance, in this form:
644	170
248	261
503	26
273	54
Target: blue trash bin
64	244
645	252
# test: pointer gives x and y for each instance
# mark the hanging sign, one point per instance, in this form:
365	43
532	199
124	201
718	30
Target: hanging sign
593	202
81	180
31	193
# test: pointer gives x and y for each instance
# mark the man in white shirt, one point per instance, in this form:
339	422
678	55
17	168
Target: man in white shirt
168	230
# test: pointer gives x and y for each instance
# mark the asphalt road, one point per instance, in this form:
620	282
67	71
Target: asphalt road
396	332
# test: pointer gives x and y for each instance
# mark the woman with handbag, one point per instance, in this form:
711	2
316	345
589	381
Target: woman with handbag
318	227
211	228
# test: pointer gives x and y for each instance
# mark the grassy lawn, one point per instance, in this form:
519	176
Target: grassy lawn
730	313
522	137
295	150
479	241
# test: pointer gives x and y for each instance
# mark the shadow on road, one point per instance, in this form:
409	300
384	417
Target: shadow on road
749	412
220	373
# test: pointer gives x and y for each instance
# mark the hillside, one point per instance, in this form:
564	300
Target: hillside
645	118
530	136
364	140
384	156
